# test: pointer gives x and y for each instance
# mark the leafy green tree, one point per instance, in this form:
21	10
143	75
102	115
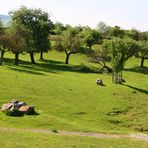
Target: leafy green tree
3	42
101	56
108	32
143	36
15	42
142	52
103	29
3	46
133	34
69	42
58	28
115	32
38	22
89	36
120	51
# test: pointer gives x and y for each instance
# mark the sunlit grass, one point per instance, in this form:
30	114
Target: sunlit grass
67	97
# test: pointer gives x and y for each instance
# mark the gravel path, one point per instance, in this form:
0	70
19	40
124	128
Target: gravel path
137	136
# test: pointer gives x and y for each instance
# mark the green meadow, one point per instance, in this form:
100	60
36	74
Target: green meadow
66	97
36	140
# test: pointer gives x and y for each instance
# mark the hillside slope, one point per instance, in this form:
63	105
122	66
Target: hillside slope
67	97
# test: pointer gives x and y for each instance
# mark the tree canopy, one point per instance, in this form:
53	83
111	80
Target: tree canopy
69	42
38	23
120	51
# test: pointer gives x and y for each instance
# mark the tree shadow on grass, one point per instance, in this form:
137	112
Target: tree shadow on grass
49	66
26	67
138	70
25	71
34	113
10	62
51	61
10	65
57	68
137	89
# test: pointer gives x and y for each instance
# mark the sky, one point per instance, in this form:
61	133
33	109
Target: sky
124	13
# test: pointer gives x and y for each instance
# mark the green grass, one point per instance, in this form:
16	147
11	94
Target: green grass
38	140
67	97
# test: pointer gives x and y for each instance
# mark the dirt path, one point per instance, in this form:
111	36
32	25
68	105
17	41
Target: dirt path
138	136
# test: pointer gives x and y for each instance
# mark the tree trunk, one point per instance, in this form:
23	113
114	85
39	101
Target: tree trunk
2	57
90	47
120	78
116	77
108	69
41	55
32	58
67	58
142	63
113	77
16	58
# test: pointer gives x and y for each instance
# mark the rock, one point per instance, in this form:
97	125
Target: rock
14	101
20	104
5	106
8	106
26	109
17	108
99	82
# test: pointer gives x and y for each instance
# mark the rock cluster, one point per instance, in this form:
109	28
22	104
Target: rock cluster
17	106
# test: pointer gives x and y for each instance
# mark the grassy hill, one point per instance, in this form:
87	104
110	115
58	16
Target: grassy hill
67	97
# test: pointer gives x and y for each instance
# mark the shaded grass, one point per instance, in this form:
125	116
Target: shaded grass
138	89
138	69
49	66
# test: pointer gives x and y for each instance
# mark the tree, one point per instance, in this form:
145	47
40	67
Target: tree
3	42
133	34
142	52
37	22
58	28
89	36
116	47
16	40
115	32
103	29
101	56
69	42
3	46
120	51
